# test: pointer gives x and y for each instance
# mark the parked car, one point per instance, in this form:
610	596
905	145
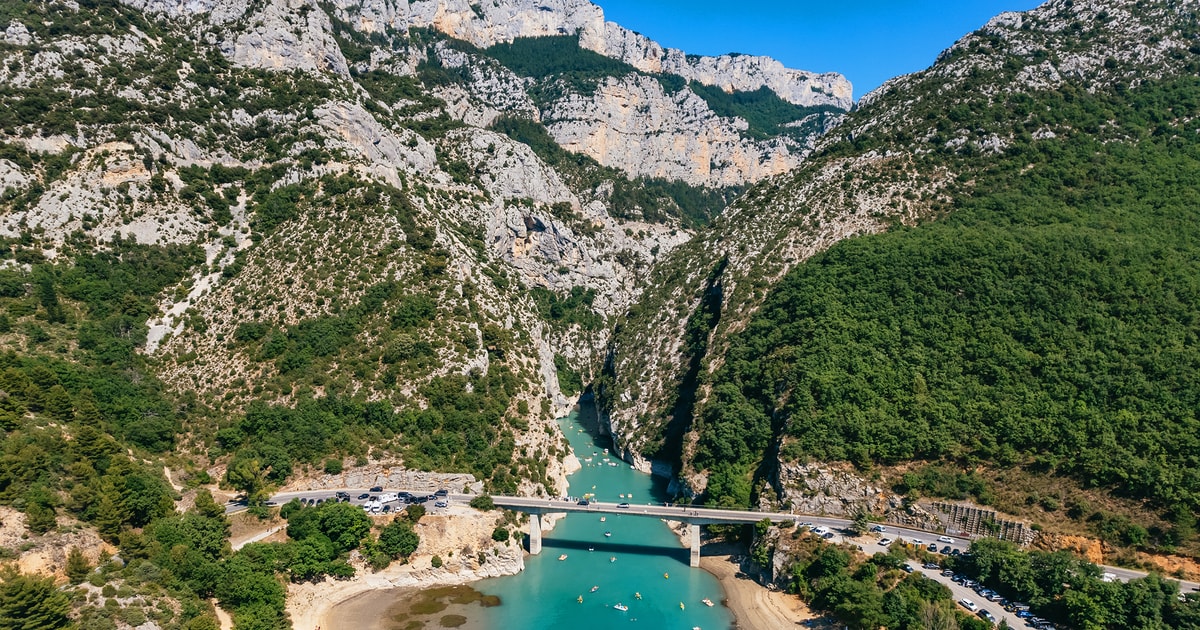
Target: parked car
968	604
827	535
948	573
986	616
441	504
946	550
442	493
341	495
932	547
907	568
931	565
884	542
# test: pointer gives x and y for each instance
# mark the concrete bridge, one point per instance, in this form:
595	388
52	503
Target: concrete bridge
694	516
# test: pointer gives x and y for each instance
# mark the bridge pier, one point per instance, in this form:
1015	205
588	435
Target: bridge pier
694	536
535	533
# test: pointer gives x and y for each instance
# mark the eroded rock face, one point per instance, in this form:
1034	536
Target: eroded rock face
487	24
287	35
278	39
820	489
632	124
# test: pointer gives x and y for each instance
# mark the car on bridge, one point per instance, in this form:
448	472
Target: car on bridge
624	506
583	502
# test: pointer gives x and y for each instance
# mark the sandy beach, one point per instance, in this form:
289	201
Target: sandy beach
754	607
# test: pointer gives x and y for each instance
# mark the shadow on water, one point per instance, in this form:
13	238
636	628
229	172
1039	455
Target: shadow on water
600	548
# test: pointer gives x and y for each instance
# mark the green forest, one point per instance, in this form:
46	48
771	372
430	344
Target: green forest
1049	322
868	592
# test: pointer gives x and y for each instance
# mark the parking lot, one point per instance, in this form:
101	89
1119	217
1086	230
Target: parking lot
375	501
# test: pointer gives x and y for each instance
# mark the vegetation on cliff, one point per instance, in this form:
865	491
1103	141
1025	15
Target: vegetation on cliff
1048	322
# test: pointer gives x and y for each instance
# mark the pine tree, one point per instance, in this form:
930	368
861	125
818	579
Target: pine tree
86	410
31	603
78	567
110	515
59	405
39	510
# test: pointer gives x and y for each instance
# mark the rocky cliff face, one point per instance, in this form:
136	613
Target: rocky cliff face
332	164
299	34
485	24
898	159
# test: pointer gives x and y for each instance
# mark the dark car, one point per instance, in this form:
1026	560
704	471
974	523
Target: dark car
442	493
946	549
583	502
932	547
386	509
341	495
907	568
377	489
363	496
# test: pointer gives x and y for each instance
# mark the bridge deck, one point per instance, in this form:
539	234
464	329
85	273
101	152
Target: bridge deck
686	513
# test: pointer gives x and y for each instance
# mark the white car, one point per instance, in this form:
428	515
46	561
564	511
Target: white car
819	530
968	604
918	542
885	542
946	539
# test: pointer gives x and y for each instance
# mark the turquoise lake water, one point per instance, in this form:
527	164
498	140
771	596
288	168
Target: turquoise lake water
546	594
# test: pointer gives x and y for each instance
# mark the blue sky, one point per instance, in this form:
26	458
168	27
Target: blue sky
869	41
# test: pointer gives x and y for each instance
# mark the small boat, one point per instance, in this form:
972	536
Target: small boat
612	463
595	588
621	607
707	602
602	519
608	534
563	557
580	600
612	559
637	595
591	548
666	576
681	607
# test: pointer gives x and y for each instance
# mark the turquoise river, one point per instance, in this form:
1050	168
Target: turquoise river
641	557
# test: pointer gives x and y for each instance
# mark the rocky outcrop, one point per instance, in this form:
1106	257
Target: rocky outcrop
288	35
390	477
489	23
631	123
823	489
744	73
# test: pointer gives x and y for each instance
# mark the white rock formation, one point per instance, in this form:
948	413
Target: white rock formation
632	124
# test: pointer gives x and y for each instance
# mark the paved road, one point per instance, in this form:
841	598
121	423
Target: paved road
961	592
